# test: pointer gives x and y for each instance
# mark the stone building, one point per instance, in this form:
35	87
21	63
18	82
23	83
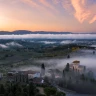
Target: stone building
22	76
75	66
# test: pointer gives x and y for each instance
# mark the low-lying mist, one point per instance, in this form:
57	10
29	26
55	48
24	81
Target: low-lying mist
49	36
86	57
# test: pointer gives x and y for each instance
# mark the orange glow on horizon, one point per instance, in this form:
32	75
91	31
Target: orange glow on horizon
48	15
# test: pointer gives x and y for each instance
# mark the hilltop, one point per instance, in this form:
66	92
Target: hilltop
17	32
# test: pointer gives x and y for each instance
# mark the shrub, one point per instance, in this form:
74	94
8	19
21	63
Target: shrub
50	91
60	94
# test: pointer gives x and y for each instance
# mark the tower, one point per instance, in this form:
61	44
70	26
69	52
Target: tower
42	70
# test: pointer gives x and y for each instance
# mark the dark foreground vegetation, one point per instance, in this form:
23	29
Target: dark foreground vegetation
28	90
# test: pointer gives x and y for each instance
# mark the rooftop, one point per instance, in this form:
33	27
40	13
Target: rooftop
76	61
29	72
23	72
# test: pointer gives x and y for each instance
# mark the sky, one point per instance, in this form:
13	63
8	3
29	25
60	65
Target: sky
48	15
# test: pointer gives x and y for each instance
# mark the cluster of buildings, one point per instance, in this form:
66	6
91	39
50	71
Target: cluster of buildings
26	76
38	77
75	66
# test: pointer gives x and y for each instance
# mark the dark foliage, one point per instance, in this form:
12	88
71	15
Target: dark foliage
18	90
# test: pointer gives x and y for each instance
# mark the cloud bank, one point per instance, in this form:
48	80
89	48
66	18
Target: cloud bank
3	46
10	44
14	44
47	42
66	42
49	36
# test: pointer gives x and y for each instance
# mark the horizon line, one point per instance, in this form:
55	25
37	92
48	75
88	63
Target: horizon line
48	31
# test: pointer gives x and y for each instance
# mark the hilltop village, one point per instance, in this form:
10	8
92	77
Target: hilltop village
38	76
74	74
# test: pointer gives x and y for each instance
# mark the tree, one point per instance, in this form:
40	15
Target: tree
67	68
50	91
18	93
60	94
84	68
2	89
90	75
25	89
40	95
63	73
43	66
83	77
42	70
32	89
93	52
24	94
10	94
68	56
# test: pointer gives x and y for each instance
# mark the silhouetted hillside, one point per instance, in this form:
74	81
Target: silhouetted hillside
30	32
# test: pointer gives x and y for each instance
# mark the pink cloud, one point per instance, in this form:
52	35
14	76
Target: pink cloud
81	11
67	6
30	2
36	5
56	1
48	5
93	19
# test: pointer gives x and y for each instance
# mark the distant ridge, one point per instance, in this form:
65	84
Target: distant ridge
21	32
